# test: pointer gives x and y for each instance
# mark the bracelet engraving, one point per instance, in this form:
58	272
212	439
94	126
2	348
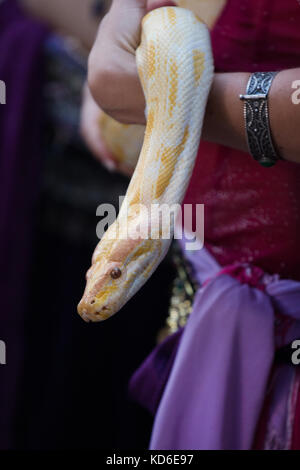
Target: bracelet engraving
256	115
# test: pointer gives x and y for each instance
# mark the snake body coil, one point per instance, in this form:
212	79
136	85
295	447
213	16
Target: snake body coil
175	66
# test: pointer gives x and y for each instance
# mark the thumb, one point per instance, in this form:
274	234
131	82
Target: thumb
152	4
131	3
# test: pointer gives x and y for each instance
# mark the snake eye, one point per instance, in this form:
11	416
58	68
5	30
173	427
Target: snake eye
115	273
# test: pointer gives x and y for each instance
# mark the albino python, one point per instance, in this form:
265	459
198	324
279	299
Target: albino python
175	67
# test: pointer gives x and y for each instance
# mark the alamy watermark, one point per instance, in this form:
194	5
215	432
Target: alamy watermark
2	92
296	93
153	221
296	354
2	353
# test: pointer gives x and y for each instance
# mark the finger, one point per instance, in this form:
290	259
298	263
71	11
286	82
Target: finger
152	4
137	3
89	129
97	148
107	158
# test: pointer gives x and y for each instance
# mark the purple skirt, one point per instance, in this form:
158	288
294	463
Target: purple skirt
207	384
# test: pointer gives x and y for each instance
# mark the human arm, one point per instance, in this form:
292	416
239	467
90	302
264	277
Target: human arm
115	85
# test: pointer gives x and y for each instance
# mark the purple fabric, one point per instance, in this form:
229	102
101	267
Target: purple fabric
279	426
218	379
217	385
21	41
147	389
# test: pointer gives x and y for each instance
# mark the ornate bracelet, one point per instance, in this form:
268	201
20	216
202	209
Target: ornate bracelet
256	114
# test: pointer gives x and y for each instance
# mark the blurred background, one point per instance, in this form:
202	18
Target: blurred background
65	384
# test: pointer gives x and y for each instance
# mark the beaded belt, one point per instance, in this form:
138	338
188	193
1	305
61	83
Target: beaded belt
183	291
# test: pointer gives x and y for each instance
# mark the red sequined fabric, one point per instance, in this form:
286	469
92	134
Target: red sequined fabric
252	214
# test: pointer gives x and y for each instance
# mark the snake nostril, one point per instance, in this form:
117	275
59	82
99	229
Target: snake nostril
92	302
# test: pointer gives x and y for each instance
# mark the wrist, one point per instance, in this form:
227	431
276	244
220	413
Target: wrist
224	118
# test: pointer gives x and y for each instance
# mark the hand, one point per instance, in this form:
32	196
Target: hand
90	131
112	73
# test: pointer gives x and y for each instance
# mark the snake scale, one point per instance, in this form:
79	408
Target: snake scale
175	66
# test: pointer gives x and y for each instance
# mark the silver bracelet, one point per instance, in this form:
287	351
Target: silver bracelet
256	114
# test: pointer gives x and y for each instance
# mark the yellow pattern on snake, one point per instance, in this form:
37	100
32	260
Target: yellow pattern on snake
175	66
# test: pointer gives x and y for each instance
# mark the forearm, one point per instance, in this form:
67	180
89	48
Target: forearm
224	120
115	86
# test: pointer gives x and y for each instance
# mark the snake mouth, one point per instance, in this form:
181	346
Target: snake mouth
90	315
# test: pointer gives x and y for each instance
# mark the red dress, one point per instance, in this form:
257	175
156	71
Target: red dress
252	214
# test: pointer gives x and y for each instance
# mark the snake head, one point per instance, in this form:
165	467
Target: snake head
101	299
116	274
